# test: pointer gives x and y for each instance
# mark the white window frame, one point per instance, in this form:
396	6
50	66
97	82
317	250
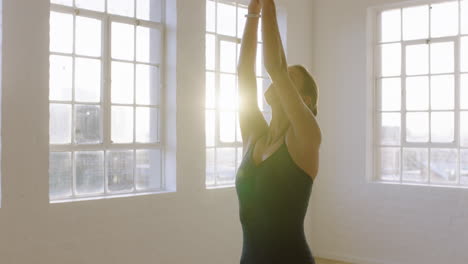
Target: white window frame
237	145
373	113
105	103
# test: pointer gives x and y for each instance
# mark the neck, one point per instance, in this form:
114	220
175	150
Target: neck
278	126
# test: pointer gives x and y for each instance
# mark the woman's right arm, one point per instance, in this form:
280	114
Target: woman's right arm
252	122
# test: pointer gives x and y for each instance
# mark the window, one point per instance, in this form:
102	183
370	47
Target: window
421	77
105	84
224	29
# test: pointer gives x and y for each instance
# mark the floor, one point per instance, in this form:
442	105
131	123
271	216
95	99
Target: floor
327	261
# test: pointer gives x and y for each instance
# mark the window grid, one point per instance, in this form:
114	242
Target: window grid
145	157
403	144
214	142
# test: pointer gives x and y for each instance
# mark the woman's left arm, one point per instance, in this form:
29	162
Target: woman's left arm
303	122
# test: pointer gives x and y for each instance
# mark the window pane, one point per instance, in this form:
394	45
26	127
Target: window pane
122	124
464	54
87	80
226	19
391	25
122	83
228	96
120	171
260	94
88	36
417	93
227	56
89	172
123	45
391	94
121	7
391	129
390	164
62	2
464	129
464	167
60	124
210	128
417	127
241	12
444	19
238	46
442	57
417	59
443	127
148	45
442	92
259	66
226	165
146	125
88	124
210	166
259	32
97	5
147	84
238	130
60	175
60	82
464	16
416	22
210	90
61	32
210	16
415	165
444	164
210	52
149	10
227	126
391	60
148	169
464	91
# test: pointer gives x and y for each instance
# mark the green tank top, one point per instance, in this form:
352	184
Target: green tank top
273	199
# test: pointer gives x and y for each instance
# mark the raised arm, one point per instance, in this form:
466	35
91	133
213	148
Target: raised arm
252	123
302	120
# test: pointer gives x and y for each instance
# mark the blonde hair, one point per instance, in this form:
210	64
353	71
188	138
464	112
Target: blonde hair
309	87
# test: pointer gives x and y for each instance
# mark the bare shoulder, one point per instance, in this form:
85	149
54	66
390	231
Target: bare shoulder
304	154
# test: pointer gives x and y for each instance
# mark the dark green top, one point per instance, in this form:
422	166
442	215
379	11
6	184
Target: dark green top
273	200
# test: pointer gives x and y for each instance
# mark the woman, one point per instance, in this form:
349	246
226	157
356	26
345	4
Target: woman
280	161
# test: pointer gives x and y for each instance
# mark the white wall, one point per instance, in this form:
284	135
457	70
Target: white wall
192	225
352	219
